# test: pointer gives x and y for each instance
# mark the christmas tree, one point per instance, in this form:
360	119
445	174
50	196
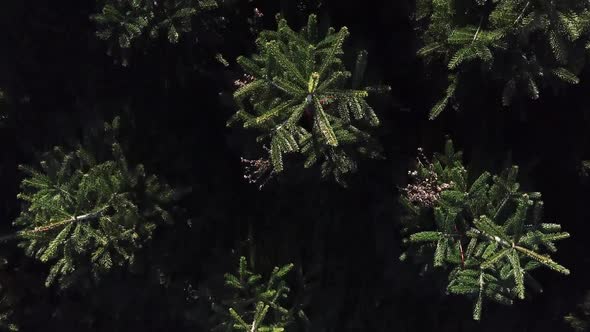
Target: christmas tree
524	45
488	234
296	88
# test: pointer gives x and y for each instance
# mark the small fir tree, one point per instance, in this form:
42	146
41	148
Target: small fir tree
522	44
256	303
489	235
294	93
124	23
81	214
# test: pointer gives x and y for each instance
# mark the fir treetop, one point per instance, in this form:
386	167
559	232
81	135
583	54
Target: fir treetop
295	95
124	23
256	303
523	45
86	215
489	235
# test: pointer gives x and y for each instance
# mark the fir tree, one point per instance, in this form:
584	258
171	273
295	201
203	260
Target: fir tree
124	23
256	304
294	93
489	235
82	214
524	45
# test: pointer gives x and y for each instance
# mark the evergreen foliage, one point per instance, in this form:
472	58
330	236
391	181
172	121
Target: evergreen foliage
82	214
296	96
489	235
255	304
579	321
96	222
524	45
124	23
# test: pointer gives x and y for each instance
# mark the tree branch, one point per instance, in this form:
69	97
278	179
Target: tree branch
42	229
522	12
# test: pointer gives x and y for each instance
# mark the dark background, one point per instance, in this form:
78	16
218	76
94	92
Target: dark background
175	100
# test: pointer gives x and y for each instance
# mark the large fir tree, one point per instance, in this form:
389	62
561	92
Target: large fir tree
488	234
296	87
524	45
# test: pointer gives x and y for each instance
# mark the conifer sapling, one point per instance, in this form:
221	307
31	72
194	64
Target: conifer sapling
256	303
83	215
124	23
523	45
295	94
489	235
